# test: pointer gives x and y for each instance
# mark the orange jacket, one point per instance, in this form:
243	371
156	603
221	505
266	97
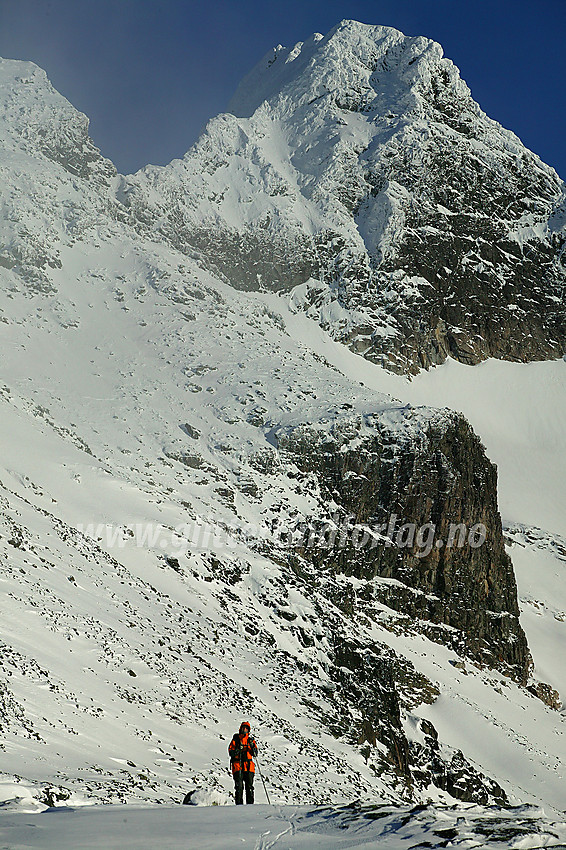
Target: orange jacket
241	749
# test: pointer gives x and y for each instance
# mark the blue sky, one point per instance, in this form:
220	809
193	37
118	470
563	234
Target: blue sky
149	73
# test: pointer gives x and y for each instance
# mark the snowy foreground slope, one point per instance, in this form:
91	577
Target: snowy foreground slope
167	440
283	828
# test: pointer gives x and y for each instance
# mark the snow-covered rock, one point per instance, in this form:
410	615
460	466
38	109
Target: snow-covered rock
361	160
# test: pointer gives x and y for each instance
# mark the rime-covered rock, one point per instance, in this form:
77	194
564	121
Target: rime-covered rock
357	170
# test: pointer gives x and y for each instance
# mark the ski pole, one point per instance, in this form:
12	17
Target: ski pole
262	781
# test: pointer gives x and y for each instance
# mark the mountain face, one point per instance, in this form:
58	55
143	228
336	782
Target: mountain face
204	511
361	160
425	477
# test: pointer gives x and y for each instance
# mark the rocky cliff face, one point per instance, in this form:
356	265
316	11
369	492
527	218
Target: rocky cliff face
415	520
360	163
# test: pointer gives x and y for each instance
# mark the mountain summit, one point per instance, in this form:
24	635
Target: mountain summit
357	170
350	63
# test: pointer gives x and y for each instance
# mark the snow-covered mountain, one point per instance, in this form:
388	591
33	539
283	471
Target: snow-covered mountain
200	483
361	159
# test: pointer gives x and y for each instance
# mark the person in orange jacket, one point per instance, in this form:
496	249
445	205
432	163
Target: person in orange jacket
242	749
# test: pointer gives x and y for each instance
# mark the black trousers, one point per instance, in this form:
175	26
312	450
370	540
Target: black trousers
244	779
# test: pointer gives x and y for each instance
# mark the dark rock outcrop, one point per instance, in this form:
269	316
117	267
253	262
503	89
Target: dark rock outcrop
454	774
391	490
